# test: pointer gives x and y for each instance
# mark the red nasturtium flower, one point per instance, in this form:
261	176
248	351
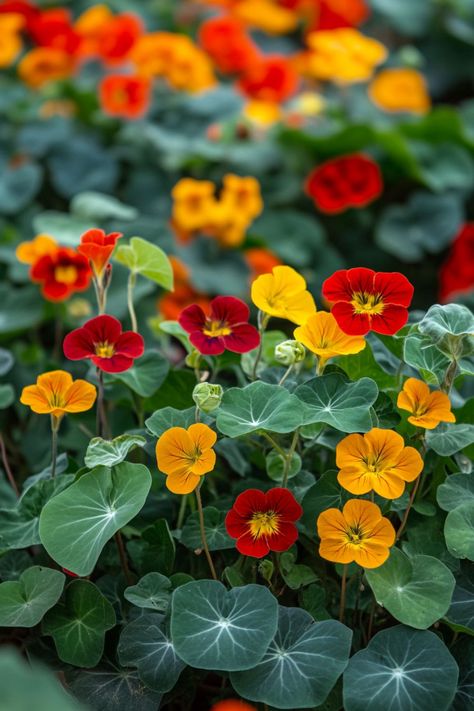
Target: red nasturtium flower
456	276
61	273
263	522
53	28
226	42
97	246
102	341
118	37
364	300
226	327
272	78
232	705
344	182
125	96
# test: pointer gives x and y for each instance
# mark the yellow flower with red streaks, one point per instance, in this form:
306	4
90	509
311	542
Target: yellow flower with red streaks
30	252
427	408
359	533
322	336
283	294
377	461
56	393
185	456
400	89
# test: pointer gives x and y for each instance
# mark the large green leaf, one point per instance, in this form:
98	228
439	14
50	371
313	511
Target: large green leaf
416	591
401	669
110	452
461	610
23	602
146	375
301	665
327	493
459	531
213	628
258	406
79	623
111	688
463	652
448	320
167	417
155	550
422	354
76	524
217	537
147	259
153	592
457	489
447	438
337	402
145	643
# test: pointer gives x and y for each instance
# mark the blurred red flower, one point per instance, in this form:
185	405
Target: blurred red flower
263	522
53	28
260	261
184	294
125	96
227	43
225	328
343	182
61	273
364	300
117	38
102	341
27	10
456	275
271	78
98	247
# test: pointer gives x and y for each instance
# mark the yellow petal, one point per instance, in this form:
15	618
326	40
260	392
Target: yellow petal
80	396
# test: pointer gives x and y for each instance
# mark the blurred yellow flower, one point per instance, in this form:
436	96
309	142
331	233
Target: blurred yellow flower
30	252
401	89
10	39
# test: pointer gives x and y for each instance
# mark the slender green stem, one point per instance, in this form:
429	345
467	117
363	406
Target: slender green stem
274	444
342	604
6	466
123	558
320	365
203	533
131	309
288	458
182	511
408	508
263	320
54	444
286	374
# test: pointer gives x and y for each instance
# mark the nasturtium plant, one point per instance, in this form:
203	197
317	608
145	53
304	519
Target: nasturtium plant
236	355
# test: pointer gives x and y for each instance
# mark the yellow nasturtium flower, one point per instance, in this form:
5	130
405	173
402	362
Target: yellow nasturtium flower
56	393
283	294
400	89
321	335
427	408
185	456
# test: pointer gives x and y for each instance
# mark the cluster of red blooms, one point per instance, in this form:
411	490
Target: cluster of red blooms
457	273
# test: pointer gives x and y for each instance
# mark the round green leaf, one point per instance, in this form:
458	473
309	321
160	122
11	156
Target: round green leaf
23	602
216	534
79	623
146	375
153	591
461	610
275	465
97	207
110	452
146	645
301	665
76	524
447	439
459	531
111	688
448	320
416	591
213	628
167	417
422	354
464	654
147	259
337	402
401	669
456	490
258	406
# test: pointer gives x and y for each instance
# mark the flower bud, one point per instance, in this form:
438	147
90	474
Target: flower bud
207	396
290	352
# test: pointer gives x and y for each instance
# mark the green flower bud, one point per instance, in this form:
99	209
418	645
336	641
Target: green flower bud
207	396
290	352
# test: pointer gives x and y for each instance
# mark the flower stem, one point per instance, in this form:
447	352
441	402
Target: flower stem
288	458
6	466
54	444
276	446
320	365
123	558
131	309
203	533
342	604
408	508
286	374
182	511
262	324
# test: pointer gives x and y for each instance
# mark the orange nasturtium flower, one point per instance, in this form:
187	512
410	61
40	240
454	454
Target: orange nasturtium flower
193	202
400	89
283	294
56	394
359	533
30	252
10	39
378	461
427	408
44	64
185	456
322	336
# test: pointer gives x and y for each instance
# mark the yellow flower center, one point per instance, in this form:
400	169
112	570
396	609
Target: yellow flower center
264	523
104	350
369	304
355	535
65	275
214	329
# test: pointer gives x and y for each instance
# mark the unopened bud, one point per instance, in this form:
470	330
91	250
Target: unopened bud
207	396
290	352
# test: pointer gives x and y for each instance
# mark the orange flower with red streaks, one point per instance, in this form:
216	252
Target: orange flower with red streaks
55	393
427	409
185	456
98	246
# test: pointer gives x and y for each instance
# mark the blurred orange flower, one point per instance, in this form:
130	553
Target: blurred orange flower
378	461
98	246
427	408
30	252
42	65
173	302
185	456
359	533
56	393
10	40
125	96
401	89
260	261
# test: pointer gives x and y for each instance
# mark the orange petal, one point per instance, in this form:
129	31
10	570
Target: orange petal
331	524
183	482
415	393
385	445
359	512
409	464
205	463
80	397
55	383
34	397
383	533
174	450
336	551
356	480
202	435
389	486
371	555
351	451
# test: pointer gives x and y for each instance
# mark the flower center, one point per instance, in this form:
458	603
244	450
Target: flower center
214	329
369	304
65	275
264	523
104	349
355	535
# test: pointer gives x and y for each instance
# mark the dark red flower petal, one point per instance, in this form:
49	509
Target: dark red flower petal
115	364
250	501
130	344
229	309
243	338
349	322
337	287
207	345
104	329
394	287
236	526
281	500
78	344
192	318
361	280
254	547
390	321
55	290
284	539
